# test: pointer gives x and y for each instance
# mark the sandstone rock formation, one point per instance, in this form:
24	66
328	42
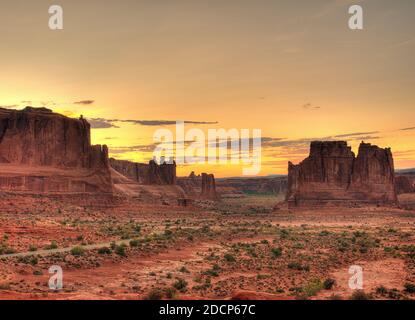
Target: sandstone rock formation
405	184
208	187
147	174
42	151
333	175
199	186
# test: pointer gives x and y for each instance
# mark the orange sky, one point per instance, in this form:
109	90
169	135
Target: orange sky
290	68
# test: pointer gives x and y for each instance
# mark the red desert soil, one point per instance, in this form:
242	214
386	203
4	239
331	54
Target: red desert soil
232	249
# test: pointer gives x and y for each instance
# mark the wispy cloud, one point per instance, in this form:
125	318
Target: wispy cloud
98	124
407	129
84	102
148	122
309	106
355	134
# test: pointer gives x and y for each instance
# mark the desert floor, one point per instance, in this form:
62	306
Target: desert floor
237	248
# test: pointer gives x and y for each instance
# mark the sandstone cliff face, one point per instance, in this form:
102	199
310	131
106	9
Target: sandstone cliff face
39	137
149	174
332	174
43	151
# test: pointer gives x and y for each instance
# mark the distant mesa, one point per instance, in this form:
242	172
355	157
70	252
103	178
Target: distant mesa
333	175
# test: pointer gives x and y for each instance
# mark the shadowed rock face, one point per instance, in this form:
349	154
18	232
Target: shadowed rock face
149	174
332	174
38	138
405	184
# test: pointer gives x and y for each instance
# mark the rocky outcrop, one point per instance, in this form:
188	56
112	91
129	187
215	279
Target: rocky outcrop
147	174
208	187
405	184
333	175
199	186
42	151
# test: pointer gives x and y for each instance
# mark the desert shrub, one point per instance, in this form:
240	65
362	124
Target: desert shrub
284	233
134	243
155	294
329	283
298	266
312	288
180	284
53	245
77	251
184	270
360	295
120	250
33	261
32	248
104	250
381	290
38	273
171	293
263	276
276	252
409	287
168	233
229	257
324	233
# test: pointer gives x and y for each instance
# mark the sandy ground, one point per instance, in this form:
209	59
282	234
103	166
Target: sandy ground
234	249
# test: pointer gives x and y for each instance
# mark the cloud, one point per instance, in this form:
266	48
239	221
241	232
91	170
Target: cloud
85	102
309	106
151	122
407	129
355	134
98	124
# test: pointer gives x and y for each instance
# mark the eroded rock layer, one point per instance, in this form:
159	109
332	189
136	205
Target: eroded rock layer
333	175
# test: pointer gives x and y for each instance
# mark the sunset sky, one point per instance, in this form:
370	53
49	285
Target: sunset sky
291	68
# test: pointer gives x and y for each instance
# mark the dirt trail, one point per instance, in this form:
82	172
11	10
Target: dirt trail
45	252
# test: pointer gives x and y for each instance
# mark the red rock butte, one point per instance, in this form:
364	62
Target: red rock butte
333	175
42	151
